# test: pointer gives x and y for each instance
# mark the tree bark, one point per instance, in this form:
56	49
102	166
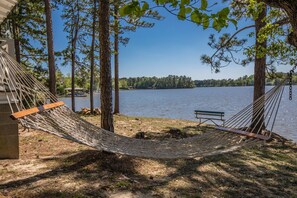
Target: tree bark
92	56
73	56
105	67
259	76
15	32
50	48
73	77
116	59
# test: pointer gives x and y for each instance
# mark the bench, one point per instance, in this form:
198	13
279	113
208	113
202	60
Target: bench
212	116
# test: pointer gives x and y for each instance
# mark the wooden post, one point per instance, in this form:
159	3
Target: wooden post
9	133
9	136
8	46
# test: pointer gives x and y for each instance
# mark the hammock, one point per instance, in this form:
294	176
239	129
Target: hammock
35	107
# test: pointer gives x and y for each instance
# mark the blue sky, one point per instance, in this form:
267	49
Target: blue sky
171	47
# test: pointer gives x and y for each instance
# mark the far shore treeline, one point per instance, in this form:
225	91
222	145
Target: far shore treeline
272	79
169	82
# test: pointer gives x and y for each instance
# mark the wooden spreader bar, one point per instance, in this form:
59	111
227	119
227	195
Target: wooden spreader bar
248	134
31	111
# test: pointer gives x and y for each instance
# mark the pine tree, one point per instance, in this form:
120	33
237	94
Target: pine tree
26	25
92	55
105	66
131	25
50	47
73	21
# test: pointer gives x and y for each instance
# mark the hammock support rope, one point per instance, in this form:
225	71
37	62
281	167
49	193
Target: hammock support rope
37	108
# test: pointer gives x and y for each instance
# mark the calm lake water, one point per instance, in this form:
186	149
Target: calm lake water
181	103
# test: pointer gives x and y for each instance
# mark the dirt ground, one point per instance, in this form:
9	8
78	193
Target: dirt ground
53	167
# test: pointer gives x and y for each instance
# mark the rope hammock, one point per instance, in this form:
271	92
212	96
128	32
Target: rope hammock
35	107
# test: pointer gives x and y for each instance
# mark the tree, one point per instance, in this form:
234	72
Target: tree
116	58
185	10
26	25
259	74
105	67
92	55
198	12
74	21
133	9
16	34
290	8
266	45
50	46
131	24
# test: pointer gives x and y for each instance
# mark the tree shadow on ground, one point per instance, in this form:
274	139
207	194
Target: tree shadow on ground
263	171
172	132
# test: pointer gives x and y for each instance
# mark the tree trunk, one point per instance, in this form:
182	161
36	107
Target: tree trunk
105	67
73	56
259	76
116	59
92	56
50	47
15	32
73	80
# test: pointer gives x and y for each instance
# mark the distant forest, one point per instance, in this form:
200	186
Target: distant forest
169	82
176	82
242	81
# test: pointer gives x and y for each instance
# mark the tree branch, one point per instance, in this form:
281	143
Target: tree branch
280	22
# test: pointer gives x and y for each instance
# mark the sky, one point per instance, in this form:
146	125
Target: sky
171	47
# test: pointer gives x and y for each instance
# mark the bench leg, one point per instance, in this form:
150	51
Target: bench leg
214	122
201	122
205	120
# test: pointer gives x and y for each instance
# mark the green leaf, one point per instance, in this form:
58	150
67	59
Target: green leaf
188	10
204	4
162	2
145	6
224	13
205	22
125	10
196	17
185	2
215	25
233	21
182	13
174	3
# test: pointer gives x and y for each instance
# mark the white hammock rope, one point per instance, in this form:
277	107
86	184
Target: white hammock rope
24	93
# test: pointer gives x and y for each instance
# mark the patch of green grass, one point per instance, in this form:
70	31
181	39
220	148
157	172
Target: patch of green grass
124	184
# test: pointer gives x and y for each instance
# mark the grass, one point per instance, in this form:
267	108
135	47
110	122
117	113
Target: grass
53	167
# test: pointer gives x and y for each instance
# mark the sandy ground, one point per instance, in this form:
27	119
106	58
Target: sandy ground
53	167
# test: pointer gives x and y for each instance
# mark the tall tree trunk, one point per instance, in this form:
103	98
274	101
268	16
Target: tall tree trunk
73	61
92	56
73	55
259	76
15	32
73	77
116	59
50	47
105	67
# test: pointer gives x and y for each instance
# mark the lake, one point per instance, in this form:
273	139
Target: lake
181	103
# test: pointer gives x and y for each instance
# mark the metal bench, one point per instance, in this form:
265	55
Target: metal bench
205	116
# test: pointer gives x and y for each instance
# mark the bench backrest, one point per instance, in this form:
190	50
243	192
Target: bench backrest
210	113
